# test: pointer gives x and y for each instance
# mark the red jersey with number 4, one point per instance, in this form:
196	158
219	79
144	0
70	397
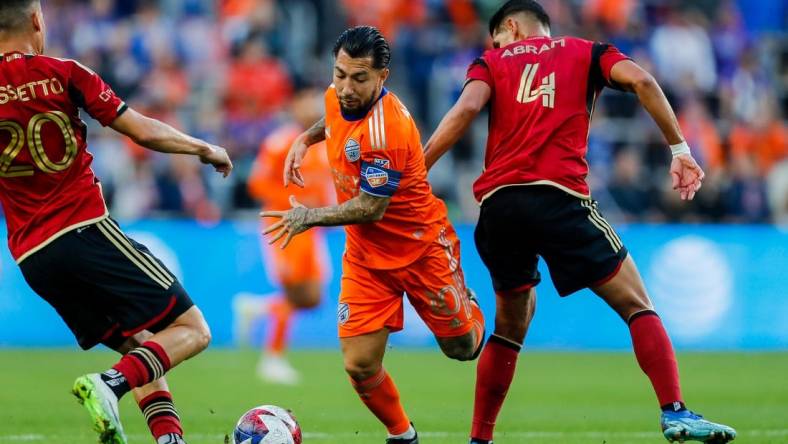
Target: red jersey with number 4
543	94
46	185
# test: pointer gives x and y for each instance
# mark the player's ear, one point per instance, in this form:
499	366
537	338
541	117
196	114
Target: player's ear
384	75
511	25
37	19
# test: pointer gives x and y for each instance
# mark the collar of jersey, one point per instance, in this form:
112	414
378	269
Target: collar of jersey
360	115
3	54
524	40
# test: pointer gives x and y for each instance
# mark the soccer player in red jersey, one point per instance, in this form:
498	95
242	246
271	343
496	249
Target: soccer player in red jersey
399	239
107	288
535	201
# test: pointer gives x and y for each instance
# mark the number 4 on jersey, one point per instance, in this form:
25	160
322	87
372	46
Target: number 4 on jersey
526	93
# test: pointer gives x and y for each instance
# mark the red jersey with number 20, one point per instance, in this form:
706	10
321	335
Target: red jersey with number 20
543	94
46	185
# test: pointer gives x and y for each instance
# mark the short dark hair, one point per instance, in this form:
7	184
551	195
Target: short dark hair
365	41
515	6
14	13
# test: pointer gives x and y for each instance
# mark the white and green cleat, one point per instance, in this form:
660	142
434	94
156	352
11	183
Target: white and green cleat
102	405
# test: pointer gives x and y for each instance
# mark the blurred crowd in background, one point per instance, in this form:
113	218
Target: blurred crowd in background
226	70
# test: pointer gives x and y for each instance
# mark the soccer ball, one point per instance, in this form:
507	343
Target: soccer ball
267	424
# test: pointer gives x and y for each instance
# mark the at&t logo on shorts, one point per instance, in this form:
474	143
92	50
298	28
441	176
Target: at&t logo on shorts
343	313
352	150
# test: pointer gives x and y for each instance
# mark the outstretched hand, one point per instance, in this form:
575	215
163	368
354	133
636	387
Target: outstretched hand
291	223
687	176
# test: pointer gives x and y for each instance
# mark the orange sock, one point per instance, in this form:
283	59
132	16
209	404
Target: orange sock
281	313
381	397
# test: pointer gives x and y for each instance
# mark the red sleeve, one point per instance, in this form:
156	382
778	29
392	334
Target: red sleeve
609	57
90	93
480	70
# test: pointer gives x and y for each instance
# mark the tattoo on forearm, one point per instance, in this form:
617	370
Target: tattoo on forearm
362	208
317	133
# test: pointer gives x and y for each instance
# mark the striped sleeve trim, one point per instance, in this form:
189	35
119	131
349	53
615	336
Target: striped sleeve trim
377	127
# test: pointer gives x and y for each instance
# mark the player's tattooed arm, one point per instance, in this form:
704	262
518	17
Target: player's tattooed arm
363	208
158	136
316	133
455	123
292	170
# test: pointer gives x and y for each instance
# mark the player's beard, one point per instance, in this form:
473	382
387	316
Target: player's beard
363	106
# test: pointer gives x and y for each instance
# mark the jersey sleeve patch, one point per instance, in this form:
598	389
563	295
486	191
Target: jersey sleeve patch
378	180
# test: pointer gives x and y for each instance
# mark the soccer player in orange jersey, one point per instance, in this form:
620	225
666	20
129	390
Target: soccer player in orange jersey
301	269
399	239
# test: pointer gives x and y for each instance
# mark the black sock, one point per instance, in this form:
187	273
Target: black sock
480	441
674	407
116	382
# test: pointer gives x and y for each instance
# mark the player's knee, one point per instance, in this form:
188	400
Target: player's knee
361	369
202	336
307	300
305	296
462	348
511	327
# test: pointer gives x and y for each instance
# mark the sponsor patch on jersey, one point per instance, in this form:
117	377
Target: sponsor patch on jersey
352	150
376	177
383	163
343	313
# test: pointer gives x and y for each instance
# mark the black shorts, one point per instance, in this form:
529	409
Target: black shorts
105	286
519	223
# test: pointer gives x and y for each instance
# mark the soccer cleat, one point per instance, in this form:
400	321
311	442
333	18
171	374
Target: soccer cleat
102	405
472	296
276	370
480	441
170	438
413	440
688	426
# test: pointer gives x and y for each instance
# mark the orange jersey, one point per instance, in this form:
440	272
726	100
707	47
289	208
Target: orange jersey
265	182
381	154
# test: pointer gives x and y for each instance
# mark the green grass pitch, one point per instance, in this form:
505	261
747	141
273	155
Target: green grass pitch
588	398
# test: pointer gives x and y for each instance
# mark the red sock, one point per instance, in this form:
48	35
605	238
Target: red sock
144	364
381	397
654	353
160	413
494	375
281	313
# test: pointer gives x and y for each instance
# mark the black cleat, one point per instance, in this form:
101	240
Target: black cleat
414	440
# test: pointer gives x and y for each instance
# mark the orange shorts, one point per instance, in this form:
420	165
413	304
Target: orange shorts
371	300
304	259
